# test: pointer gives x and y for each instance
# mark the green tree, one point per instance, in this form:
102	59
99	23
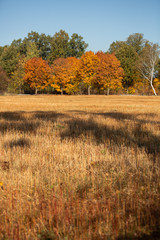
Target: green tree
32	50
21	46
1	50
9	59
158	69
3	80
41	41
77	46
44	45
59	46
33	37
16	84
17	43
137	41
128	58
115	46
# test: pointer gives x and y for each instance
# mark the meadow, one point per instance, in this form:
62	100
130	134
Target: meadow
79	167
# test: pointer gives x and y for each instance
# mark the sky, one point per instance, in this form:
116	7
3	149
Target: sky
99	22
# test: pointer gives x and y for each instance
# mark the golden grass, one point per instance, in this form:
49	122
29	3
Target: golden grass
79	167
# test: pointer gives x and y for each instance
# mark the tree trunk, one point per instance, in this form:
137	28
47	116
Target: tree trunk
127	90
36	91
153	89
108	91
61	91
89	90
20	90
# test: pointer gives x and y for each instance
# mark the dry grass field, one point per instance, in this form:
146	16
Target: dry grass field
79	167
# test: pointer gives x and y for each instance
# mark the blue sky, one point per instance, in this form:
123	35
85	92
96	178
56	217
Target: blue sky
99	22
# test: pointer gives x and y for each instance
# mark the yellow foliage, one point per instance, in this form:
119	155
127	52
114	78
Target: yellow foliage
88	65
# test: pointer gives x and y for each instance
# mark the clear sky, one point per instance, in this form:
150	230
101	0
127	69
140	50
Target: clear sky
99	22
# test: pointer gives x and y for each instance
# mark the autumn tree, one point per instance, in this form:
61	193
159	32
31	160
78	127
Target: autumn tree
109	73
37	73
73	81
60	74
64	75
87	70
60	68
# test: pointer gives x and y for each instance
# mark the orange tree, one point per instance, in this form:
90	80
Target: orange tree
37	73
109	73
87	69
64	75
60	68
73	83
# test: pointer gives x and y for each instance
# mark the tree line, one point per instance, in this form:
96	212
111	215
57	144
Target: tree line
61	64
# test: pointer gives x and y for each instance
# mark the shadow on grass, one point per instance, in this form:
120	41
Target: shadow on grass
122	136
153	236
99	132
89	128
15	121
24	126
77	111
12	116
47	116
22	142
127	116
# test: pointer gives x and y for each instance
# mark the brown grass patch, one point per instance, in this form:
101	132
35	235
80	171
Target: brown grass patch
79	167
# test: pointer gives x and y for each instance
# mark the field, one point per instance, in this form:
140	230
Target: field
79	167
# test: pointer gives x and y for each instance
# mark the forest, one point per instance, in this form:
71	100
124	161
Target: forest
60	64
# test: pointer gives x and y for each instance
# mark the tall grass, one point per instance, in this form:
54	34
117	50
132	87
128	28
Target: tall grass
79	167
